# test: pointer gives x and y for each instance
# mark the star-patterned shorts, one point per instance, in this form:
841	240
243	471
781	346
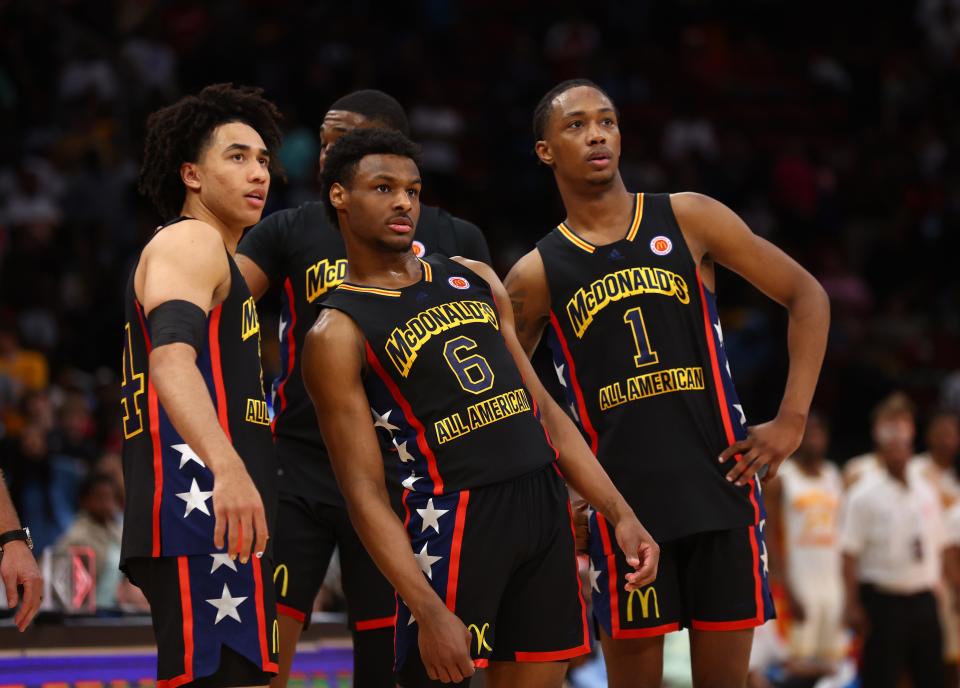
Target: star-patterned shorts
713	581
214	618
503	559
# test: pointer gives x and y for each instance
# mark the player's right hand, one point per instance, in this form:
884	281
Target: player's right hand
239	513
445	646
641	551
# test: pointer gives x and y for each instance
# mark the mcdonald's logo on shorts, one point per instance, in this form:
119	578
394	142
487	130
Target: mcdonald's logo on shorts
644	596
480	632
286	578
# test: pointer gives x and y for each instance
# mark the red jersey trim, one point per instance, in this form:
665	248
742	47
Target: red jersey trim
453	574
577	391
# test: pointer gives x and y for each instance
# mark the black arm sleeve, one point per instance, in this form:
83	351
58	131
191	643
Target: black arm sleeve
265	243
470	241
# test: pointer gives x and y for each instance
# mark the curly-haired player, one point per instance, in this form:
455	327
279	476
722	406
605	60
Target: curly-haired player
197	454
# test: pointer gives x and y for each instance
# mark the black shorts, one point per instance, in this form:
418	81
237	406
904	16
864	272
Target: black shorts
713	581
214	619
503	559
305	536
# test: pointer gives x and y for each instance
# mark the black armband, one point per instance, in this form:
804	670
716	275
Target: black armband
178	321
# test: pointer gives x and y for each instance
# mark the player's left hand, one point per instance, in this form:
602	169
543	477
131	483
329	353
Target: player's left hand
641	551
767	444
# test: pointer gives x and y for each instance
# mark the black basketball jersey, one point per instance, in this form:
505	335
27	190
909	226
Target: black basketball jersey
447	399
169	505
638	348
302	252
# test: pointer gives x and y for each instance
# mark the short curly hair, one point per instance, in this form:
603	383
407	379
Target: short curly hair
179	133
541	114
343	158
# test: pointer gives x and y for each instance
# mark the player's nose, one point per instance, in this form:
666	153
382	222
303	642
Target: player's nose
596	134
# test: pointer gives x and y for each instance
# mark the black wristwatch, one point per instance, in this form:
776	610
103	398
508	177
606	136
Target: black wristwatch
13	535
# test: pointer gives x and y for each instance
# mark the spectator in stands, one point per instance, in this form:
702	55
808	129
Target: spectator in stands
803	504
891	537
44	484
894	421
98	527
938	466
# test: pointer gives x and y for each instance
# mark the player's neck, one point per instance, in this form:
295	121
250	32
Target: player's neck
375	267
945	462
198	211
600	214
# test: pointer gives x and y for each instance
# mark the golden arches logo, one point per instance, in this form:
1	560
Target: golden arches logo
644	596
481	631
286	578
276	637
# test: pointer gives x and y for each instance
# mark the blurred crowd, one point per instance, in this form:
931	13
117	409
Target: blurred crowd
844	152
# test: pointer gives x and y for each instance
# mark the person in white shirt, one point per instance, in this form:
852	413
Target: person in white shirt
938	465
891	536
803	503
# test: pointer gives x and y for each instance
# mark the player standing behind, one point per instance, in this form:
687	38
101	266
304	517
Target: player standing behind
803	504
626	283
302	251
428	348
197	459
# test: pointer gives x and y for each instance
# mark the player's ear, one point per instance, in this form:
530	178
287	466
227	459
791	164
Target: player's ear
190	175
338	196
542	149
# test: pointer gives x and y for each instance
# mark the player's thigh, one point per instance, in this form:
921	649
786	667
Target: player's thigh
633	662
724	579
720	659
542	615
303	544
652	611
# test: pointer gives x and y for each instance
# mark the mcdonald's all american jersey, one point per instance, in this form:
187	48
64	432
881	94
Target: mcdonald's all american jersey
446	396
638	348
463	438
169	505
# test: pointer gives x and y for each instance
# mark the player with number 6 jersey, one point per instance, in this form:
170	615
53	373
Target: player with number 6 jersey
420	356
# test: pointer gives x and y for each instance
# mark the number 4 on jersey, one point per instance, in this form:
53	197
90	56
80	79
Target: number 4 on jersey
645	355
131	390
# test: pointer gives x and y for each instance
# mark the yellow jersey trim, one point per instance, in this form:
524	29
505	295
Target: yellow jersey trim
369	290
575	240
637	218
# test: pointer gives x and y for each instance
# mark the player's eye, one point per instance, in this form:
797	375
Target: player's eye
238	157
608	121
575	124
383	188
413	193
264	161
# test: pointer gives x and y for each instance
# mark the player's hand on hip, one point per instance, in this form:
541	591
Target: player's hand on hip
641	551
767	444
19	568
239	513
445	646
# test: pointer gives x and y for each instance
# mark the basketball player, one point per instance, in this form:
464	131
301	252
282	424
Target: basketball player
626	284
302	251
804	503
198	465
427	348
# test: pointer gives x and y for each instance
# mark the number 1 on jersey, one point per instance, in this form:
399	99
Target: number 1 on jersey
645	355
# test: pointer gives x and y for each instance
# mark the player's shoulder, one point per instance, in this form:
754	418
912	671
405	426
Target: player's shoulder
306	215
333	328
528	272
189	238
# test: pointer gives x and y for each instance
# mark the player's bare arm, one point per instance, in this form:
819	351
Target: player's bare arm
580	467
529	294
257	280
715	234
332	373
188	262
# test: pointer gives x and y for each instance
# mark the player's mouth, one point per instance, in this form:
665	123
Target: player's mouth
600	159
400	224
256	198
